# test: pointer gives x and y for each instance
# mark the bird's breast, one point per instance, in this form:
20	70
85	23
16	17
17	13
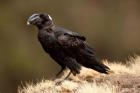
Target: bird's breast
47	40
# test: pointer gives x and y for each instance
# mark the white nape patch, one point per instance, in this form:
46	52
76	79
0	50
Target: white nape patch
50	17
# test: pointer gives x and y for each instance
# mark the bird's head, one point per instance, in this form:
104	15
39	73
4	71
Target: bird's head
40	20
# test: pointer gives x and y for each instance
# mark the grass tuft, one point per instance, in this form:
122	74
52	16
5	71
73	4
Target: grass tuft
123	79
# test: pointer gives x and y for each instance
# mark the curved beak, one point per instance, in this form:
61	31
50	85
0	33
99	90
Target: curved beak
32	19
28	23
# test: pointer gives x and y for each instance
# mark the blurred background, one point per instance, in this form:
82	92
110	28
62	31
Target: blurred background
112	27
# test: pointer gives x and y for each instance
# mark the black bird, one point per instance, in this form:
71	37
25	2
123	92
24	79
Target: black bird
67	48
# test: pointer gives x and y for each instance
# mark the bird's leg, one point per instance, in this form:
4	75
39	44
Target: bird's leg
73	65
67	75
60	72
58	82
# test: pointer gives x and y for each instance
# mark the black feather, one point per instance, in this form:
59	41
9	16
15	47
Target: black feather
67	48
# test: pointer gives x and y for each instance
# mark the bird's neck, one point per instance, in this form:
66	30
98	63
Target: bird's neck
46	27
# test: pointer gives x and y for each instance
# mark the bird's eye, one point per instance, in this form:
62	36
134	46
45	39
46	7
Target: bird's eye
44	17
41	15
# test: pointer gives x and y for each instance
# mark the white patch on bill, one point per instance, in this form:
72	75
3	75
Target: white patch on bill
28	23
34	16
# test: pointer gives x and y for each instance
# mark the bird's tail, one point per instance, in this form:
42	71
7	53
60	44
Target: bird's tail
100	67
92	62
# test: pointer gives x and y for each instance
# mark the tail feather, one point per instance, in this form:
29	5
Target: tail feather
100	67
97	65
90	60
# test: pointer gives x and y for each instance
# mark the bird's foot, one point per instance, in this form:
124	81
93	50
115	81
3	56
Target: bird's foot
58	81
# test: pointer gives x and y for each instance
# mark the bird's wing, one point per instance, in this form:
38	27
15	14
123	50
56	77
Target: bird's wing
71	39
74	34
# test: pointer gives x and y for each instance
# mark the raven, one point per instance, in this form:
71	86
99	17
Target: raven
69	49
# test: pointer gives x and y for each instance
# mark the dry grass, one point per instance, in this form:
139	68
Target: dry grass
124	79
